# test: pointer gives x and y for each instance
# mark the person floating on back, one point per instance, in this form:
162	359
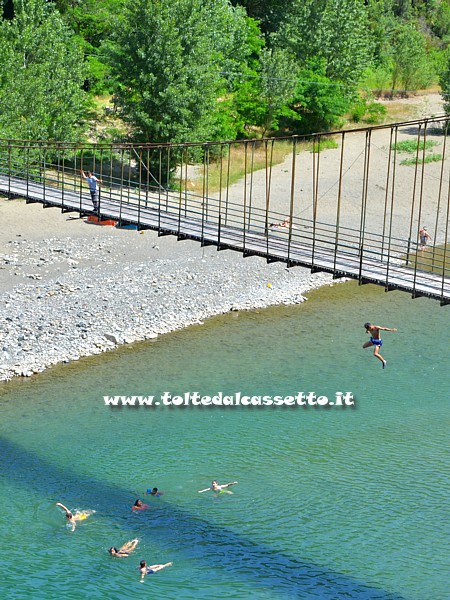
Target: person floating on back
149	570
215	487
124	550
375	340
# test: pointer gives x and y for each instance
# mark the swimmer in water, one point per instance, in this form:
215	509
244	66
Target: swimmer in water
124	550
154	492
73	518
145	570
139	505
375	340
215	487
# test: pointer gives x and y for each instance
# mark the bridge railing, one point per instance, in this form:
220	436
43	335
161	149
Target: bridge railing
149	185
241	224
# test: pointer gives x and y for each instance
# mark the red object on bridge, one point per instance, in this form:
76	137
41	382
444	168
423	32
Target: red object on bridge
110	222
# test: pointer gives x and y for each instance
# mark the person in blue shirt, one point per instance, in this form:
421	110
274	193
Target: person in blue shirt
93	183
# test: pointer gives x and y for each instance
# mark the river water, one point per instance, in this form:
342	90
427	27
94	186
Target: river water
331	502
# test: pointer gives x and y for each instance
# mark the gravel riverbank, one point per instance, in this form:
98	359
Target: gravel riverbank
93	288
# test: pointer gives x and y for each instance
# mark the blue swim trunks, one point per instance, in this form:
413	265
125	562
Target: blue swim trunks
376	342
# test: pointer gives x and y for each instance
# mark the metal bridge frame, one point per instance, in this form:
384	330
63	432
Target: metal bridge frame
148	185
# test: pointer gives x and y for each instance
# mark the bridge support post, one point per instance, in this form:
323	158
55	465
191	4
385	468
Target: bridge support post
408	250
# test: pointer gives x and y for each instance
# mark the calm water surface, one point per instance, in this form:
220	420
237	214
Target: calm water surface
331	503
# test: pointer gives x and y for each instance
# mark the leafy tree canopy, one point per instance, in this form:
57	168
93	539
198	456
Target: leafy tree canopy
41	74
334	32
176	61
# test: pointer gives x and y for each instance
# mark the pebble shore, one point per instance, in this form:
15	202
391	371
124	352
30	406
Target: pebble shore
67	298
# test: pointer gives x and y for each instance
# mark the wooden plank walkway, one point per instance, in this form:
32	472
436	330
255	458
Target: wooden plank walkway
316	246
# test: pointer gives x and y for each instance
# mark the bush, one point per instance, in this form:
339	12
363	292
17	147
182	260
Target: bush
367	112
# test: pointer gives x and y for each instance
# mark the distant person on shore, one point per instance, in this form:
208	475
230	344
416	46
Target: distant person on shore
283	224
218	489
124	550
139	505
424	237
93	186
375	340
149	570
74	518
154	492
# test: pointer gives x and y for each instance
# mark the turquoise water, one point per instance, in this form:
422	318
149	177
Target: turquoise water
331	503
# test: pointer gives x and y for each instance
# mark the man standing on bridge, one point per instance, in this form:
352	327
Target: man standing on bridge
424	237
93	186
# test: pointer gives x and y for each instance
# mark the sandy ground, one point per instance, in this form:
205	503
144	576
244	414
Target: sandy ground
397	198
28	228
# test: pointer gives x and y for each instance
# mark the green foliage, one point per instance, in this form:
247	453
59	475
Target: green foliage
327	143
172	59
92	20
429	158
375	113
332	33
440	21
271	14
202	70
358	111
269	92
97	76
382	25
413	146
411	66
368	112
41	75
444	81
319	103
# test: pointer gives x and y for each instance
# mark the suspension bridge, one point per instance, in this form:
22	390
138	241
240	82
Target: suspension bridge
354	209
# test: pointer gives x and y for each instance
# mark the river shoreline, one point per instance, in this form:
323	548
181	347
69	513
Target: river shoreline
70	289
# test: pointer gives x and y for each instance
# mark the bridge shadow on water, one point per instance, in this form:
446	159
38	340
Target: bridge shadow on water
218	548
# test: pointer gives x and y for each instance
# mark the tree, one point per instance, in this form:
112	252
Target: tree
319	102
269	13
175	60
333	30
41	75
267	96
411	65
92	21
331	43
445	85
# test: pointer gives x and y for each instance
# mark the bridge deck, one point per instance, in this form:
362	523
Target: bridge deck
317	246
